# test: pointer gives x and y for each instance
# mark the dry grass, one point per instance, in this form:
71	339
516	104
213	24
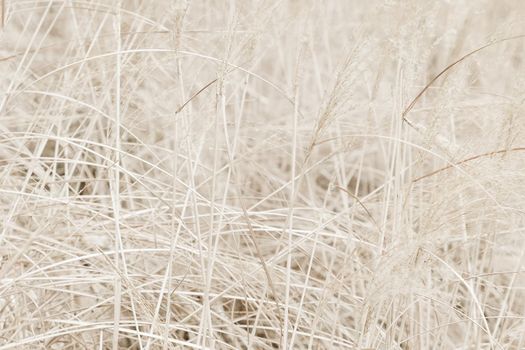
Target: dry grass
262	174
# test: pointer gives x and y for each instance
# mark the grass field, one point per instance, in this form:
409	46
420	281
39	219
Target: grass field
280	174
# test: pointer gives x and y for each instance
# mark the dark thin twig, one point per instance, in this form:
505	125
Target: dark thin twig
362	205
488	154
450	66
195	95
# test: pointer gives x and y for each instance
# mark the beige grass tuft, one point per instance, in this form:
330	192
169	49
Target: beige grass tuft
262	174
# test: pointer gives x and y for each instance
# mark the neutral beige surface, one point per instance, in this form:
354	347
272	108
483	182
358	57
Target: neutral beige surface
262	174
